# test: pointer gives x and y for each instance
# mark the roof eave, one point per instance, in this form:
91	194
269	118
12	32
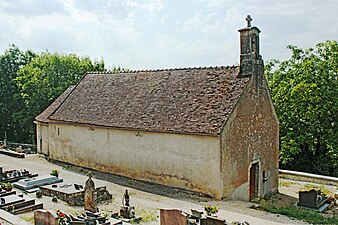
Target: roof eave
132	129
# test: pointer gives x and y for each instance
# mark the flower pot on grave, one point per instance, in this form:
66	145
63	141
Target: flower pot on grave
7	188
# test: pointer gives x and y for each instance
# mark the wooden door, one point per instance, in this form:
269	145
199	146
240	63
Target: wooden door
254	181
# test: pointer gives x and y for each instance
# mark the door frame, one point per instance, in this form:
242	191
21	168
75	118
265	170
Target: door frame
254	179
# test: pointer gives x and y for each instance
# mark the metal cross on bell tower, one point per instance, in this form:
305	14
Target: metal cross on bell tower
248	20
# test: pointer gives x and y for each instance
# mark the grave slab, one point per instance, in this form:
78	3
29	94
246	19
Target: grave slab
9	200
35	182
73	194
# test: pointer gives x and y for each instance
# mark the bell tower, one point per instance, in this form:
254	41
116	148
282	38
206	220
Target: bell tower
250	59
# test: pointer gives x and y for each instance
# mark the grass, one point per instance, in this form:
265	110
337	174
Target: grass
309	216
147	215
286	183
29	219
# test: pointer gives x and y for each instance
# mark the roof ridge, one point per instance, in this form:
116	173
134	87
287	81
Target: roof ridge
158	70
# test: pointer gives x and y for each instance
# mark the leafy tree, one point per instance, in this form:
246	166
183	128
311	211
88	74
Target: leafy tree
44	79
304	90
10	62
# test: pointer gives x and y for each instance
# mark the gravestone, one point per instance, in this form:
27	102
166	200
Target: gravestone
212	221
172	217
313	199
89	195
127	211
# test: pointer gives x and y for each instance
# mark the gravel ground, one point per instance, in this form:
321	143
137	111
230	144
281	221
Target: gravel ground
147	198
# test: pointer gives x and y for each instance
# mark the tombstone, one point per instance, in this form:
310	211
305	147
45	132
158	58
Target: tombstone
127	211
54	199
313	199
89	195
210	220
39	194
196	213
172	217
126	198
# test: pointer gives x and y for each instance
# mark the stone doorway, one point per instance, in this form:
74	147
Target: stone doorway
254	181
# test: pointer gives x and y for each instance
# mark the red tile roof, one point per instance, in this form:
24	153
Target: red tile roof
190	100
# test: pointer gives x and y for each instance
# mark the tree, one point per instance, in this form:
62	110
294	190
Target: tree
304	90
10	62
43	79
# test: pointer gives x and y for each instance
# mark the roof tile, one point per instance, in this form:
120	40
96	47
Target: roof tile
189	100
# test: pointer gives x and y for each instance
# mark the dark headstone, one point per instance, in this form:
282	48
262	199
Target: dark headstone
54	199
39	194
212	221
311	199
126	198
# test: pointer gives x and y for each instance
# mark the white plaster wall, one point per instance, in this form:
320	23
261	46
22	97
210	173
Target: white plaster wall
187	161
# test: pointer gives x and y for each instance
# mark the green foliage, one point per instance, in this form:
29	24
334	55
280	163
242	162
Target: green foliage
285	183
30	82
210	210
55	173
304	90
6	185
44	79
10	63
146	215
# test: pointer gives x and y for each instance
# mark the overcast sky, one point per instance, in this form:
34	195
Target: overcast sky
156	34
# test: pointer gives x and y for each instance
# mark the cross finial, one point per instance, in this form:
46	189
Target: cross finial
248	20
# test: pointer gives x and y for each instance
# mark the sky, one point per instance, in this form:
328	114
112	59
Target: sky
159	34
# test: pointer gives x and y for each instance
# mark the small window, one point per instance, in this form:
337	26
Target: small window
58	131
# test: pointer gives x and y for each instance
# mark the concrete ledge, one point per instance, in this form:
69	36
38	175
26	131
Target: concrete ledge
8	219
309	177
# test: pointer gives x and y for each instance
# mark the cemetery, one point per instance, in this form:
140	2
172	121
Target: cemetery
29	189
14	175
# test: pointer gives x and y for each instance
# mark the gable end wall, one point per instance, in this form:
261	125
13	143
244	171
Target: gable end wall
251	135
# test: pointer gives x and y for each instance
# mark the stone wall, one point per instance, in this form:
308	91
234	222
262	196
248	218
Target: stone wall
251	136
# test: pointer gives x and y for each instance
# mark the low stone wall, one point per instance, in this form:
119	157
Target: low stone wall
308	177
